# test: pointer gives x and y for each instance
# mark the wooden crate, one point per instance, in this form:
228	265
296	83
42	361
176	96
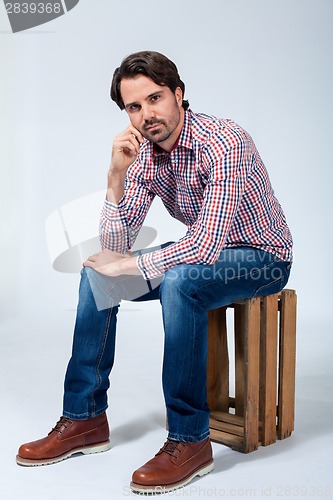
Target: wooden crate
262	409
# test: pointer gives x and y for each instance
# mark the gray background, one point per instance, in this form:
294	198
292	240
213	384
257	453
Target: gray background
267	64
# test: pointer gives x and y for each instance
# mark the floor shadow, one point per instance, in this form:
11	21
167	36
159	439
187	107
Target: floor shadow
313	419
225	458
131	431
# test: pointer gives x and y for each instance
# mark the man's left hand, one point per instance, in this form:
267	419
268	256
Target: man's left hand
112	263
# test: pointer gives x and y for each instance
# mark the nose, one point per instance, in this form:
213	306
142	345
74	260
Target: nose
147	113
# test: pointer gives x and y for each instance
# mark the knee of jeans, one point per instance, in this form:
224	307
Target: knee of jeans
89	274
87	271
174	279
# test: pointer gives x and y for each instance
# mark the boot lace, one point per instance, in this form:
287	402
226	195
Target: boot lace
172	448
62	423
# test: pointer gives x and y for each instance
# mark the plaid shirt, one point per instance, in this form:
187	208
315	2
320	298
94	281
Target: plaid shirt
213	181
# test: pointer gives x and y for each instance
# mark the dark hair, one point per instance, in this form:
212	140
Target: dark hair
155	66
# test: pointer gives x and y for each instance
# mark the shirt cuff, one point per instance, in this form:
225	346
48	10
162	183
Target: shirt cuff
149	266
111	211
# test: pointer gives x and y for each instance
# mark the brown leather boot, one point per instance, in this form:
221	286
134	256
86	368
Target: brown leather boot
175	465
66	438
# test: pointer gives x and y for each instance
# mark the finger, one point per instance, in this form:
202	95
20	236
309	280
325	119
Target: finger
136	133
89	262
134	136
131	146
92	258
128	144
137	136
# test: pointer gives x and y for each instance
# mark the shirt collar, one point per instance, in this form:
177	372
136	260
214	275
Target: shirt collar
185	138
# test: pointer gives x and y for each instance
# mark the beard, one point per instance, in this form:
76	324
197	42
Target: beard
158	134
164	128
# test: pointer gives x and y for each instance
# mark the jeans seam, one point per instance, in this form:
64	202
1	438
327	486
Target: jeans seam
192	367
86	415
271	283
99	358
182	437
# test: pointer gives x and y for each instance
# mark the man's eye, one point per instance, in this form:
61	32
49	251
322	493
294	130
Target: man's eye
133	107
154	98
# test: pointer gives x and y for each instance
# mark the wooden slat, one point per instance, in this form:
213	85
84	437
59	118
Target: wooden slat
268	369
227	417
287	362
251	385
235	442
239	328
235	430
218	361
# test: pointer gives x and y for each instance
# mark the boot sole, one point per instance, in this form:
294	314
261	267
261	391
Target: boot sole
139	488
87	450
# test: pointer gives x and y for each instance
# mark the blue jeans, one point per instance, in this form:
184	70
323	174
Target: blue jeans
186	293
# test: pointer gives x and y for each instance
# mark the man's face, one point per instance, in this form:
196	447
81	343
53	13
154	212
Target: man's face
153	109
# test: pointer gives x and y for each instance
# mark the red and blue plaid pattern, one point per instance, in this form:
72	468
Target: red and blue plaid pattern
215	182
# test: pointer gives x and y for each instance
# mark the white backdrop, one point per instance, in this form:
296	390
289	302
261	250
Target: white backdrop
267	64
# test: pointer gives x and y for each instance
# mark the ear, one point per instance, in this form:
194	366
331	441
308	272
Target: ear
179	96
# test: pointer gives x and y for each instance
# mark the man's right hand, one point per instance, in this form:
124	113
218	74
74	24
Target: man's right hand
125	149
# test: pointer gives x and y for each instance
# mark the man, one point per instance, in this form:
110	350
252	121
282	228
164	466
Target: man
209	176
